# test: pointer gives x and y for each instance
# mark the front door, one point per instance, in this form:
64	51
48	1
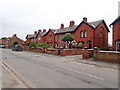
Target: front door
118	46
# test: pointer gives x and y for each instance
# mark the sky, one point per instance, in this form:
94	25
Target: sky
23	17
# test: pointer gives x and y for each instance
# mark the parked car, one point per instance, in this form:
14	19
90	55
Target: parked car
2	46
17	48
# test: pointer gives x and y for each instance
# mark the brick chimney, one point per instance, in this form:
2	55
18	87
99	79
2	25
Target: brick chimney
39	30
35	32
84	19
72	23
14	35
62	26
44	30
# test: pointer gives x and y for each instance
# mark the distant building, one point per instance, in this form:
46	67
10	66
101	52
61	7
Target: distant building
39	36
31	38
4	41
13	39
116	34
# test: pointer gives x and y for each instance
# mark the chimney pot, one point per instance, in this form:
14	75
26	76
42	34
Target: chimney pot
35	32
14	35
62	26
84	19
72	23
39	30
44	30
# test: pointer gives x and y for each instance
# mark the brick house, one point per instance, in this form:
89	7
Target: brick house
39	36
90	34
116	34
13	39
49	37
31	38
61	32
4	42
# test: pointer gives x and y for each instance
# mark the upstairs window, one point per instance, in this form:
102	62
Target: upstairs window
50	37
101	34
39	38
83	34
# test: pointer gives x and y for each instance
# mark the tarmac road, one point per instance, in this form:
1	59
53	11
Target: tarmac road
40	70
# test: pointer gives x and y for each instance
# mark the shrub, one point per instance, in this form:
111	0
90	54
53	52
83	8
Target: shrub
104	49
39	45
32	45
15	43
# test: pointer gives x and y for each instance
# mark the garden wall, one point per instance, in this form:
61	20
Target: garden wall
109	56
52	51
64	52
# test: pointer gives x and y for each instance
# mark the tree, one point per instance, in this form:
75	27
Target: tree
68	38
15	43
4	38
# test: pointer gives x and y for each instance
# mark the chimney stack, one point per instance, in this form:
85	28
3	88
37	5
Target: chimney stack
39	30
84	19
35	32
14	35
44	30
62	26
72	23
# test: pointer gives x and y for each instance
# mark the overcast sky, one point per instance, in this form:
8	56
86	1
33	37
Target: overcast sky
23	17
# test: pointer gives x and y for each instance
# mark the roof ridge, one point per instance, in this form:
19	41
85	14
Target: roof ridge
96	20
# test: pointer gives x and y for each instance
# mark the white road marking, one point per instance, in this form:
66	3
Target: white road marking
90	75
37	55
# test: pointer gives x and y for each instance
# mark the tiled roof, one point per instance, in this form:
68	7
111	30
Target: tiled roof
118	18
42	33
73	28
31	36
66	30
53	30
95	23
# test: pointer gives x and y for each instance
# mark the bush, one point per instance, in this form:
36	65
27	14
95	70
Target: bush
50	47
105	49
44	44
78	45
32	45
39	45
91	55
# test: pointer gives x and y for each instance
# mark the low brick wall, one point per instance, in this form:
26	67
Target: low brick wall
109	56
52	51
42	50
64	52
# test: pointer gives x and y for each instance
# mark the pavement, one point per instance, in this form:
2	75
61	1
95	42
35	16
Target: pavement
91	61
8	79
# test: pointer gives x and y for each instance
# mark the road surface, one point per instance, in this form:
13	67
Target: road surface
40	70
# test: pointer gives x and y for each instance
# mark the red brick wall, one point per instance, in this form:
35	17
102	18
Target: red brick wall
45	38
13	39
52	51
58	39
64	52
116	34
37	39
52	39
107	56
90	34
101	42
